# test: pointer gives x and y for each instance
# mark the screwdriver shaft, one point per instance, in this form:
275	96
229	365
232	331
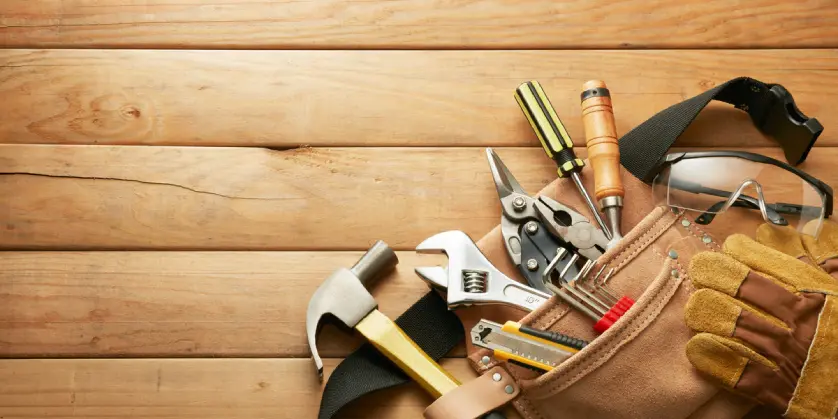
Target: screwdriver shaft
591	205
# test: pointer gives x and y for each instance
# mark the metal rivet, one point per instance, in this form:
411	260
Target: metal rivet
675	273
509	389
532	264
485	360
673	254
685	223
519	204
707	239
496	376
531	227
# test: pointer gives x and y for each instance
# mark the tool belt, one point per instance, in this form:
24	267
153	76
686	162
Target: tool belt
638	367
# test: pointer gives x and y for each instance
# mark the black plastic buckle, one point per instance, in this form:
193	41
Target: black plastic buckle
784	122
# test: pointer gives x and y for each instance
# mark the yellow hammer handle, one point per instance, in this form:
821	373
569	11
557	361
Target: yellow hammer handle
391	341
601	138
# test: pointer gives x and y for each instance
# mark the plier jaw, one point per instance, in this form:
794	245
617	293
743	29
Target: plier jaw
535	230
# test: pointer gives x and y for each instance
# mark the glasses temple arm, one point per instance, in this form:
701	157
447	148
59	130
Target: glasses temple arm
743	201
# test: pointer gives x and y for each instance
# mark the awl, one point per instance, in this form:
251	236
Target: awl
603	153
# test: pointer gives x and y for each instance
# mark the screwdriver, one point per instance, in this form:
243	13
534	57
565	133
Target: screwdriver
603	152
555	140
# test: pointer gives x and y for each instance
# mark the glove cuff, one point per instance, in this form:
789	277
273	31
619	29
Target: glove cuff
816	394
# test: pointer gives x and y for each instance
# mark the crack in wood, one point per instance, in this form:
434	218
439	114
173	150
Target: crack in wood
146	182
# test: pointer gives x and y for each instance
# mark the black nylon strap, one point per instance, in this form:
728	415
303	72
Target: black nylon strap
770	107
428	322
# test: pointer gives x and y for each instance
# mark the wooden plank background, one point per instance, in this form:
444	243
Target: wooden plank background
457	24
289	99
179	176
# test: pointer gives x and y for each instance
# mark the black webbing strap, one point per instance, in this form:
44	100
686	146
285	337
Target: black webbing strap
437	330
771	107
428	322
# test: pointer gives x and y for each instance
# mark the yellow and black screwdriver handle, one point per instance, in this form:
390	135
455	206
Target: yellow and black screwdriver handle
555	140
548	127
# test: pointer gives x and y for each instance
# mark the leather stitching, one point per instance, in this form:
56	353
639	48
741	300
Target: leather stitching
629	332
626	255
644	241
524	405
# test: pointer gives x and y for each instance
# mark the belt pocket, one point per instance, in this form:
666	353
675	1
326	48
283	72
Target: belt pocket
638	367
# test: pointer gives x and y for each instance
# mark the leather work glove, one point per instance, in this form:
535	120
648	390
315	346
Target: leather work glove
822	252
767	319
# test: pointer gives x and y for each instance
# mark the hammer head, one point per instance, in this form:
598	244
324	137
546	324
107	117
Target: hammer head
344	295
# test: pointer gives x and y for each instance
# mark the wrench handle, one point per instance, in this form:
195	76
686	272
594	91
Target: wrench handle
524	297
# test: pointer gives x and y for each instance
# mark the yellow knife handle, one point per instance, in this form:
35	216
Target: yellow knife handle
391	341
548	127
520	360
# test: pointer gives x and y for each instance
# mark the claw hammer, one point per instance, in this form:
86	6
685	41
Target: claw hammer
344	296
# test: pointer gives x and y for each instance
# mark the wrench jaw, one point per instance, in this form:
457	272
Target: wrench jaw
435	276
444	242
470	279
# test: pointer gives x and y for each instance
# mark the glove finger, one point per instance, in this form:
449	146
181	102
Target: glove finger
778	265
824	249
738	368
730	277
784	239
719	314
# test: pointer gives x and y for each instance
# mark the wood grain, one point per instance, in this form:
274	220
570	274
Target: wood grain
116	304
248	199
417	24
188	389
112	197
286	99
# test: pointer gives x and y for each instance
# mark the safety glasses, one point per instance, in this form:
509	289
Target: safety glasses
710	182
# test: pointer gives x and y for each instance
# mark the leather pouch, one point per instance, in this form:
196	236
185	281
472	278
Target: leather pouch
638	367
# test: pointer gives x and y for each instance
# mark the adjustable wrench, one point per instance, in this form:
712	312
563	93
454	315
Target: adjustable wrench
470	279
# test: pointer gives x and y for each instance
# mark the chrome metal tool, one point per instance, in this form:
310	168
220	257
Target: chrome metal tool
535	230
470	279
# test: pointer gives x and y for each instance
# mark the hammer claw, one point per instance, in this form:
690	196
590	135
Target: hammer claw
311	332
344	296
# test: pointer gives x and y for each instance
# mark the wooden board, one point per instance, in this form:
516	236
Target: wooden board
117	304
417	24
188	389
376	98
111	197
239	198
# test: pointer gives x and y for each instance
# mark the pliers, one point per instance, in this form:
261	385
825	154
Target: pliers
536	229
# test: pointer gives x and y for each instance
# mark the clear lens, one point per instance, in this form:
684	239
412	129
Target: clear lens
711	185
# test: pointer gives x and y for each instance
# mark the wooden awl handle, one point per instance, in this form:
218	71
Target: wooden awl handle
601	138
